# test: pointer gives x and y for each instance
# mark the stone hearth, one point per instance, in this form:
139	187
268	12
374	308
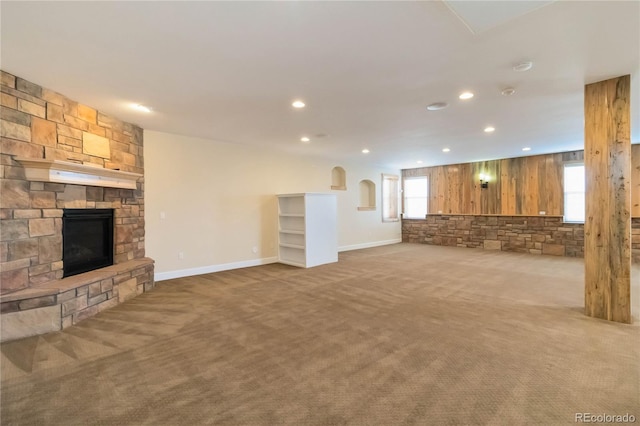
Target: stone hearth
61	303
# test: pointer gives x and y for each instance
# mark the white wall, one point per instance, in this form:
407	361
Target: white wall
219	202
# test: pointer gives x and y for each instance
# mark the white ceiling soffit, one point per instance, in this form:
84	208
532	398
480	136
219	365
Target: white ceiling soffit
479	16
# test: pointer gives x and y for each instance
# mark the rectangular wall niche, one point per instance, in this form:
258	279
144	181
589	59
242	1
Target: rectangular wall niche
87	240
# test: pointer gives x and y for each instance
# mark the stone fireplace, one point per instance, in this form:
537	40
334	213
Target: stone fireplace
58	155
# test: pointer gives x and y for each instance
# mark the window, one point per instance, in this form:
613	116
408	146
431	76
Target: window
574	192
415	193
390	198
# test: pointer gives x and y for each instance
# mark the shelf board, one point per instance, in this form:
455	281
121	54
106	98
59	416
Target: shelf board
291	231
43	170
292	214
293	246
293	263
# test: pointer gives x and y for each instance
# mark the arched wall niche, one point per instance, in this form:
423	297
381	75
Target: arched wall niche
367	195
338	179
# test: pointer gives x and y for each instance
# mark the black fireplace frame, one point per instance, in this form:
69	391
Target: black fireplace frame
71	216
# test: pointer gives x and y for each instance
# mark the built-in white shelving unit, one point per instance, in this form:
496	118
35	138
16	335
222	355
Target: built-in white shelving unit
307	229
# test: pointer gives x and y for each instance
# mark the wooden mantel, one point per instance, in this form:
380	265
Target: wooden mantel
43	170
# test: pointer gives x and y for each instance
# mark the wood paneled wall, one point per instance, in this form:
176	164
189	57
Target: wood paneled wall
517	186
635	180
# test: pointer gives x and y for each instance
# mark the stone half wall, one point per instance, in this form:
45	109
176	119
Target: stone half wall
524	234
39	123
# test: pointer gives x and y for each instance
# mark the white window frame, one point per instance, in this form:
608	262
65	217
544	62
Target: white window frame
390	196
565	193
406	198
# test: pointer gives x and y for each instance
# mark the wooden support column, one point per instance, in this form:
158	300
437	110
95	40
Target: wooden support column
607	228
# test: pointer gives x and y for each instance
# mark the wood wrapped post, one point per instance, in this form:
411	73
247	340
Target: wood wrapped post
607	158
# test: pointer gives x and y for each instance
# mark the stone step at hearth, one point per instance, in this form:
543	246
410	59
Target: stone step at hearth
59	304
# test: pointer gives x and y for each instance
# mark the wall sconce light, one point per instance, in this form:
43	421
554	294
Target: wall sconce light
484	181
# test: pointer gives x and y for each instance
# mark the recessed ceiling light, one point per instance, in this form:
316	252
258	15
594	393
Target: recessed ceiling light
419	161
523	66
437	106
304	139
526	148
141	108
508	91
297	104
466	95
489	129
445	150
365	151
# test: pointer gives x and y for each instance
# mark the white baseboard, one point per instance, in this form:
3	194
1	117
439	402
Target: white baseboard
161	276
369	245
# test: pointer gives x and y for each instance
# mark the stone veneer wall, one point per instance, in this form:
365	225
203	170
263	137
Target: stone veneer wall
39	123
525	234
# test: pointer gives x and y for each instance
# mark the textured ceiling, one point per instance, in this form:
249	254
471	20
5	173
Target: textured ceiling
228	71
481	16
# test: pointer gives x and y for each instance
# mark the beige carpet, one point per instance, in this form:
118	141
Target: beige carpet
396	335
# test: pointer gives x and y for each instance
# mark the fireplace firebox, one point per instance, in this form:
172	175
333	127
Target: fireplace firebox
87	240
